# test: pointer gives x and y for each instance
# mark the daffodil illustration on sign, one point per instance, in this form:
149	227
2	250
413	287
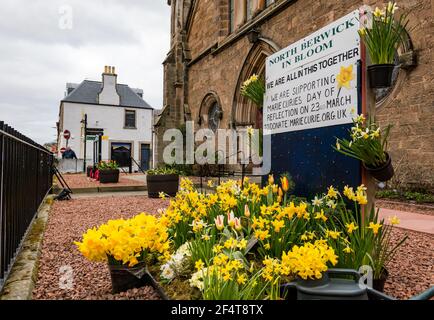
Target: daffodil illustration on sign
344	77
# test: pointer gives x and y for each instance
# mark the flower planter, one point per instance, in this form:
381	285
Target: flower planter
109	176
89	170
380	75
167	183
126	278
383	173
378	284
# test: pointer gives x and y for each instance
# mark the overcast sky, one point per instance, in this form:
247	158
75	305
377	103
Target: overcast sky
39	53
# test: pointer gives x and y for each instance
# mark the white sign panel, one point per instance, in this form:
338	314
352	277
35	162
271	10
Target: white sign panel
313	82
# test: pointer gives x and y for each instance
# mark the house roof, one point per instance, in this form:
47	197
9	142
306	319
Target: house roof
87	92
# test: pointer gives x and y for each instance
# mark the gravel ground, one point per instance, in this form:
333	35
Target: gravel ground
67	222
411	270
82	181
427	208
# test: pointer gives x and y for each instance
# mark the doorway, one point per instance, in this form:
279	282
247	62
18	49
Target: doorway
145	156
121	153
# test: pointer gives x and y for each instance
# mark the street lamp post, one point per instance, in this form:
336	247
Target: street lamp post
84	121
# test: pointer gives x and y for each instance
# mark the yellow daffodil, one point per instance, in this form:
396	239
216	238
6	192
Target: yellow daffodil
394	220
378	12
374	227
345	76
270	179
278	224
351	227
321	215
332	193
333	234
162	195
347	250
242	278
349	193
199	264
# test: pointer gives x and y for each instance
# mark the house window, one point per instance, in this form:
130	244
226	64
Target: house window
130	119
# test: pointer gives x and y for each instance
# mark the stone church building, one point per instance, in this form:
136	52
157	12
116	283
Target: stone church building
217	44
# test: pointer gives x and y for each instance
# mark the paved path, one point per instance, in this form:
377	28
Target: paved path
411	221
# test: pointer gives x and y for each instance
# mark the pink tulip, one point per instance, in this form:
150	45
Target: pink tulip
219	222
246	211
238	226
231	219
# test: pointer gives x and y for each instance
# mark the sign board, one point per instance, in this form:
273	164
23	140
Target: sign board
67	134
91	138
94	131
313	90
313	82
104	137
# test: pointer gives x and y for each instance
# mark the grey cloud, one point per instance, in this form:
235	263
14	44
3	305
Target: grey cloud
37	58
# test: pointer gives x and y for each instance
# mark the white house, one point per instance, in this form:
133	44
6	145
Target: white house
106	121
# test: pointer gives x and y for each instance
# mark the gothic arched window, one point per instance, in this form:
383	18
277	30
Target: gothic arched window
210	113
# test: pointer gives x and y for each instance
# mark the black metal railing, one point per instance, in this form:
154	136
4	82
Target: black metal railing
25	179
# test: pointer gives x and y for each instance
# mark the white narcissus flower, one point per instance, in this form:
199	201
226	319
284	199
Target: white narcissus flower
392	7
167	272
316	201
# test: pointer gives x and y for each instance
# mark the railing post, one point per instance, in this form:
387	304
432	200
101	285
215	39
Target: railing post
25	179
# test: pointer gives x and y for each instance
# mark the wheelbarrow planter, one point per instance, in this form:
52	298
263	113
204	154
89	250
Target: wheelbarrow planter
339	284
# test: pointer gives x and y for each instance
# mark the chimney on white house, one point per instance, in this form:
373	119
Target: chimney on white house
109	94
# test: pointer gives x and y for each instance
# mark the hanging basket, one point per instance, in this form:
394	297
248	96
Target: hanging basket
380	75
383	173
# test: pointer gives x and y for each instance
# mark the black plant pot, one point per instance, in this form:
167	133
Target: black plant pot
380	75
109	176
88	169
378	284
383	173
167	183
126	278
